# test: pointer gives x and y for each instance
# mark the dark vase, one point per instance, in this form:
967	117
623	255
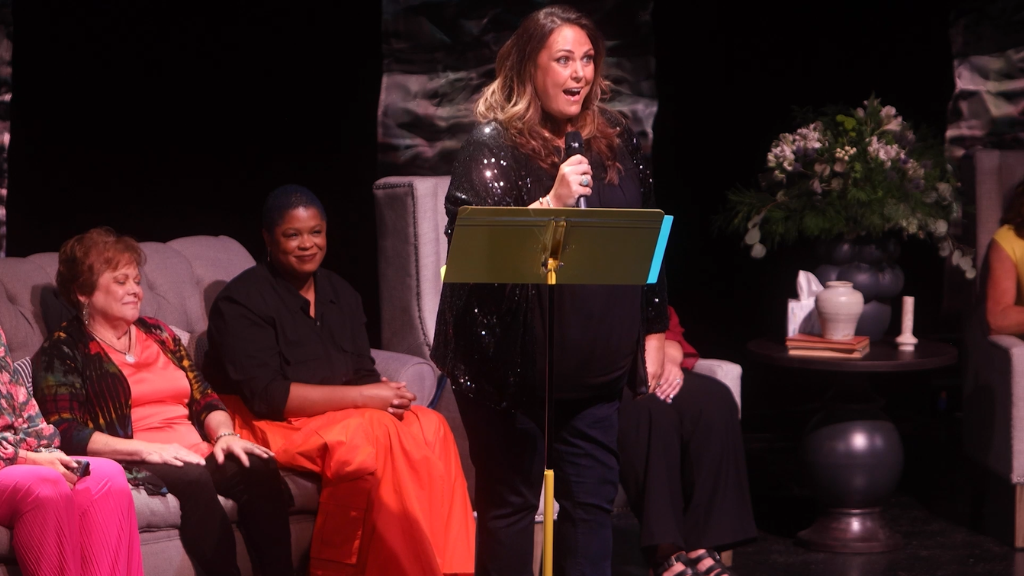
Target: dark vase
870	265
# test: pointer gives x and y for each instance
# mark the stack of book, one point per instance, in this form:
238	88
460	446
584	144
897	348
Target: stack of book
807	345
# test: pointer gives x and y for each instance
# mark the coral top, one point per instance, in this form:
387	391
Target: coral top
160	394
1014	246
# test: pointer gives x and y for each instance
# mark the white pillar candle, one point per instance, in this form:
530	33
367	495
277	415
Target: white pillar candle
906	339
908	315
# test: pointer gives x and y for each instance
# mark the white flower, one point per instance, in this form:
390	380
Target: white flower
839	166
816	186
753	236
914	169
940	227
822	169
755	221
860	112
886	153
945	248
970	273
890	119
955	259
945	190
965	263
894	124
930	196
758	250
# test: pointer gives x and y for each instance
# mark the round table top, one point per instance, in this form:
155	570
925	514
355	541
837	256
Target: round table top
883	356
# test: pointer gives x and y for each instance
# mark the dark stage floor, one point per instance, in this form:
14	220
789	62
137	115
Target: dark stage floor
935	509
933	546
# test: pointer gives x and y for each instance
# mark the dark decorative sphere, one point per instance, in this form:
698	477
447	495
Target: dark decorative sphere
826	273
843	253
870	254
864	278
874	320
853	464
890	281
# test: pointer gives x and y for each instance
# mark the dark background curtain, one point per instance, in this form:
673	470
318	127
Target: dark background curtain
177	119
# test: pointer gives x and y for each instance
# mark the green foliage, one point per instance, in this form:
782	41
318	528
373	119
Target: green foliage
847	172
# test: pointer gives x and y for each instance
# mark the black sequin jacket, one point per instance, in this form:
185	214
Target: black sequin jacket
485	339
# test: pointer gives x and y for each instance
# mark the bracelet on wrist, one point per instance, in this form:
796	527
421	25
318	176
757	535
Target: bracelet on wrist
546	201
223	434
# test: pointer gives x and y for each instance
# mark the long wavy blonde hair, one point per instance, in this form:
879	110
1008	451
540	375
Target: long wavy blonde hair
511	100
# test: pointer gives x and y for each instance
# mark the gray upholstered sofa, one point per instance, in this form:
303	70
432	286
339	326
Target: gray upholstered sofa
180	280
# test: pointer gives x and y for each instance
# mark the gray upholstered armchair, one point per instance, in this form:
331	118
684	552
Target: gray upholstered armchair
994	383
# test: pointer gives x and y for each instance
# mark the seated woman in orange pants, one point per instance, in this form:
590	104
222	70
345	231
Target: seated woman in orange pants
290	357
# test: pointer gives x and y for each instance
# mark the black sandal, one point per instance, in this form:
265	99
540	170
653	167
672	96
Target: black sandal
689	569
723	570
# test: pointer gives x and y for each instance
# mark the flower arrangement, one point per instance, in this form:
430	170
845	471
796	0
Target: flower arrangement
851	173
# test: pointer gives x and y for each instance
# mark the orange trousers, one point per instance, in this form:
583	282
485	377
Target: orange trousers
393	500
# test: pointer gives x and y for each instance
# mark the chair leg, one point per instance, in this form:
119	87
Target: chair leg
1018	518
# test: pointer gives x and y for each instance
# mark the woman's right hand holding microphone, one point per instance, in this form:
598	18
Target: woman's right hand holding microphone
574	179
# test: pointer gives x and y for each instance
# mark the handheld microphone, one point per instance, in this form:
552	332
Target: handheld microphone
574	146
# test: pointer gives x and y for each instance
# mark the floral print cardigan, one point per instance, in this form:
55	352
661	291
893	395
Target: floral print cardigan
21	423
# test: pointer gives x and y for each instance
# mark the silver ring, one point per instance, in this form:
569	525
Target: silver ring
678	380
585	181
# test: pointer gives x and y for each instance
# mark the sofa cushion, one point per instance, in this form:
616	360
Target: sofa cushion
21	284
215	260
171	293
305	489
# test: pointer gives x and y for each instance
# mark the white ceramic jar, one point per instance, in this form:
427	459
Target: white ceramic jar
839	307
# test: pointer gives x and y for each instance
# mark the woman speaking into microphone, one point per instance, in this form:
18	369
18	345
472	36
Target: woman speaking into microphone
490	339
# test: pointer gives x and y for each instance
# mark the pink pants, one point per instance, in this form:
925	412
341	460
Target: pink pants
88	530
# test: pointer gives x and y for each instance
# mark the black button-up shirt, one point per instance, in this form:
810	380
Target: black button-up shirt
262	338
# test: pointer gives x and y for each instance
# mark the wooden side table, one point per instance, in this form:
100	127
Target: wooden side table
852	452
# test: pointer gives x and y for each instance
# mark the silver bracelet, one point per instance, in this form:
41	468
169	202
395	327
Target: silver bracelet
223	434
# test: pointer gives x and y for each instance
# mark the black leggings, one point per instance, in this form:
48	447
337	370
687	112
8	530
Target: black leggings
683	467
206	532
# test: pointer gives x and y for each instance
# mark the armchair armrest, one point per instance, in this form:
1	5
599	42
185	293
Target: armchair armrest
730	373
1006	367
419	375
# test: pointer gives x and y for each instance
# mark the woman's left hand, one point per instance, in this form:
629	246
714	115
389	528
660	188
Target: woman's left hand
671	381
240	448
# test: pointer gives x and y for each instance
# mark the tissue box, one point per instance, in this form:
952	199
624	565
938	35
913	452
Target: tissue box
802	318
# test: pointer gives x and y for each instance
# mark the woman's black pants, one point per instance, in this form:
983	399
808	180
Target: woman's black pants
683	467
507	449
205	530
